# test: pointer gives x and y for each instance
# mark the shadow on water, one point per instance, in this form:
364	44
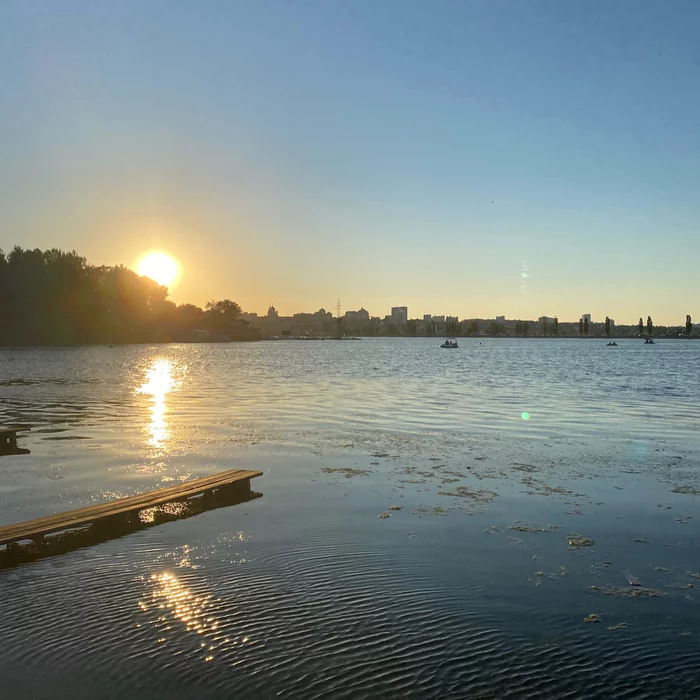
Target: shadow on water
116	527
7	450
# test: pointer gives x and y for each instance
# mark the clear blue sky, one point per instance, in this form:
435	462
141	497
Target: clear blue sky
387	152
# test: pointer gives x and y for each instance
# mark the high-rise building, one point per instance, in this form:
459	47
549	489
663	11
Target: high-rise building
399	315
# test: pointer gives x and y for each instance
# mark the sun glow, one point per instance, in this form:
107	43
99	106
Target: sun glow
160	267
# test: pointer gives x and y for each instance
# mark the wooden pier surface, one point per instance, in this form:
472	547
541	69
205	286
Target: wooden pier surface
36	529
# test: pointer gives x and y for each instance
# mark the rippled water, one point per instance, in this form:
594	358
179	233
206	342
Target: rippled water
306	592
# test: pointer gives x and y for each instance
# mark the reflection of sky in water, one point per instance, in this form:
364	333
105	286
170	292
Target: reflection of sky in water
158	383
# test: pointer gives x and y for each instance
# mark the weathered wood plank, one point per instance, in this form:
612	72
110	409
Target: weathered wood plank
83	516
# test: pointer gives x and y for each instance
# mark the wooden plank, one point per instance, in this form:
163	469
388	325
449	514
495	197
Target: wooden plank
12	431
84	516
141	500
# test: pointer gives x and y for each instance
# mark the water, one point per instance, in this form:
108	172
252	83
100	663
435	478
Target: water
306	592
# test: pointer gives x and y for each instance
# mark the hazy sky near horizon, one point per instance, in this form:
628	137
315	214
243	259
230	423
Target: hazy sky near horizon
520	157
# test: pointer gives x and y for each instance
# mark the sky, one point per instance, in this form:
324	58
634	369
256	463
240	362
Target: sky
473	158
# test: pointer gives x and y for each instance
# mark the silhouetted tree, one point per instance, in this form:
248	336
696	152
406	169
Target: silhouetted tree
56	298
580	326
411	327
556	326
688	325
607	326
585	325
650	326
641	326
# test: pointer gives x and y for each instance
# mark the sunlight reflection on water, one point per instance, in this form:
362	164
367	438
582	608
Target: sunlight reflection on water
159	382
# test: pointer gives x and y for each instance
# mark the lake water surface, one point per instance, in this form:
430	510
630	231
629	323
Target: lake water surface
484	461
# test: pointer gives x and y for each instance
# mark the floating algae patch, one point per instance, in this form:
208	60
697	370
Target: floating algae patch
395	507
542	489
478	495
531	528
347	472
576	541
493	530
617	627
629	591
686	489
384	516
420	511
593	617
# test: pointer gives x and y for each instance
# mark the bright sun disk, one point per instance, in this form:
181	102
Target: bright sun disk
160	267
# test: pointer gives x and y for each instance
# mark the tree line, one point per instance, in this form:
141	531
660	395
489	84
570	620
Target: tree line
54	297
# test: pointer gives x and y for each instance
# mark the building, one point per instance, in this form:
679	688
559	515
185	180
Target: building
546	319
399	315
361	316
586	316
427	318
500	319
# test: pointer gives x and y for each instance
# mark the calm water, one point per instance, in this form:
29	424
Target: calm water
306	592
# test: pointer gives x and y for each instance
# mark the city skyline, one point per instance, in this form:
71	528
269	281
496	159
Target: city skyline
517	156
359	314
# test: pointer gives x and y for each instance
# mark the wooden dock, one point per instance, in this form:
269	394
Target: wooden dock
124	509
8	437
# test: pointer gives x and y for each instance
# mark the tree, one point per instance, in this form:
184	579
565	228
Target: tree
580	326
585	325
688	325
607	326
556	326
220	315
650	326
411	327
641	326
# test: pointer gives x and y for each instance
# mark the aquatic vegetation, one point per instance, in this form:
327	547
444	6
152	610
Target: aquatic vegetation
619	626
531	528
576	541
628	591
686	489
384	516
479	495
347	472
395	507
593	617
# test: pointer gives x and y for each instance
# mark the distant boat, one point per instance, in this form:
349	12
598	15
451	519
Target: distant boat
450	343
612	345
649	341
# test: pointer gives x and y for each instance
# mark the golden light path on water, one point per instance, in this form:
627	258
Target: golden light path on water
174	607
159	382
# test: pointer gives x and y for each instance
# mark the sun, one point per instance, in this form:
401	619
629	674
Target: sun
160	267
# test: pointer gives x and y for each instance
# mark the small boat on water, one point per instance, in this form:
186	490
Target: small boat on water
450	343
649	341
611	345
